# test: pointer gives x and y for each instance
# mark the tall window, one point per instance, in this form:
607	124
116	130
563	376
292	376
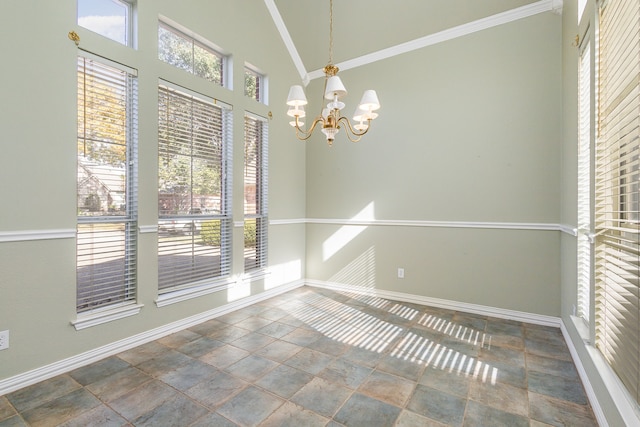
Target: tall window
106	186
109	18
187	53
194	243
255	192
584	183
617	209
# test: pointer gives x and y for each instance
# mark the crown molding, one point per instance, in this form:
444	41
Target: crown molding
526	11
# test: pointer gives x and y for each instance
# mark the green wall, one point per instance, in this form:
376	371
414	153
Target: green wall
469	132
38	166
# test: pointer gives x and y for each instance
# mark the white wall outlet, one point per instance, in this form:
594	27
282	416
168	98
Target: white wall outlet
400	273
4	340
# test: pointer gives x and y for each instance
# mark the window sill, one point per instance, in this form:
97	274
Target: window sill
254	275
110	314
180	295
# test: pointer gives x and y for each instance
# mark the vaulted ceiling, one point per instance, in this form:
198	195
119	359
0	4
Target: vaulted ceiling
364	27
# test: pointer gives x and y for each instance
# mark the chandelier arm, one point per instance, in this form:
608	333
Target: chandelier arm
349	129
306	134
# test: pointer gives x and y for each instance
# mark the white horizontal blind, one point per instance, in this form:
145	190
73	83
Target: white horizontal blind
194	242
617	192
255	192
584	183
106	185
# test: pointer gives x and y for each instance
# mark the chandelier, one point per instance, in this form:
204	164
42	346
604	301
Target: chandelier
331	116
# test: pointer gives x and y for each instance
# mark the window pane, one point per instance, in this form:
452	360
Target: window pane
251	84
175	50
105	17
194	240
208	65
106	185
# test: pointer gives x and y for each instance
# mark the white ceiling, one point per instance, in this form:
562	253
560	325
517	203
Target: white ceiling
382	28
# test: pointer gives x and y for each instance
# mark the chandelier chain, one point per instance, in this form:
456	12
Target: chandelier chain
330	31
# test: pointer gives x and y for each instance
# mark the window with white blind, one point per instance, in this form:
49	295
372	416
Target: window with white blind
255	192
194	152
190	53
106	185
617	195
584	183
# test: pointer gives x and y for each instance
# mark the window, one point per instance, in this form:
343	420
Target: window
187	53
194	242
254	84
584	183
255	192
106	185
617	210
110	18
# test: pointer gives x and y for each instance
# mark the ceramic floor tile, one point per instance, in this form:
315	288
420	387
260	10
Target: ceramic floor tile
42	392
143	399
208	327
321	396
100	416
451	381
177	339
167	361
118	384
345	373
175	412
548	365
252	342
251	368
284	381
199	347
501	396
14	421
558	387
213	420
292	415
411	419
361	410
437	405
262	405
143	353
309	361
228	334
557	412
6	409
62	409
387	388
224	356
216	390
98	370
480	415
276	330
278	351
188	375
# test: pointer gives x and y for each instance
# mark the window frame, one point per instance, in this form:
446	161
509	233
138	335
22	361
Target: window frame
200	220
260	214
129	24
197	41
99	309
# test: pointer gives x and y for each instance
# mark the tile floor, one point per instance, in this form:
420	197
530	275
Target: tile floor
314	357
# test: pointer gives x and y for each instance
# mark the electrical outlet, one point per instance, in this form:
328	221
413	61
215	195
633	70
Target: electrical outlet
4	340
401	273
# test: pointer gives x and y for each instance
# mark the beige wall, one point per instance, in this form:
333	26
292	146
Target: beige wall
38	165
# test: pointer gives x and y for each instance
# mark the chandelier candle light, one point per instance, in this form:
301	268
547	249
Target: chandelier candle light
330	117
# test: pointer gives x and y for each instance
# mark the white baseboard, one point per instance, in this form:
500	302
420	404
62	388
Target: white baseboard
49	371
502	313
588	388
